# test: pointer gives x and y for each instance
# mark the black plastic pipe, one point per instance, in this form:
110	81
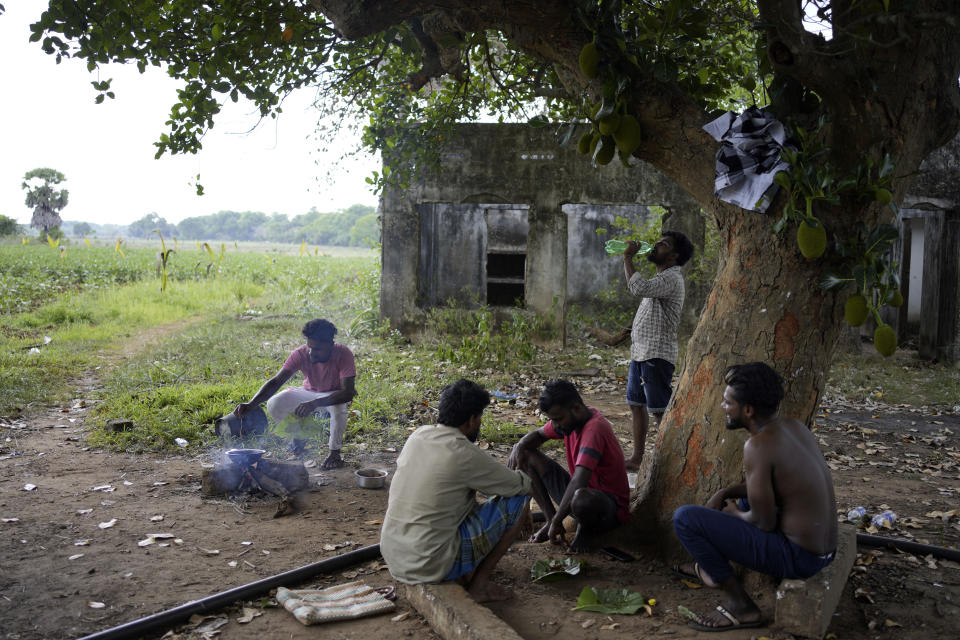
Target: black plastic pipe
137	628
867	540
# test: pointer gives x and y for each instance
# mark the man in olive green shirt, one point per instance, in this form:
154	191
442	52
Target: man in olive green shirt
434	528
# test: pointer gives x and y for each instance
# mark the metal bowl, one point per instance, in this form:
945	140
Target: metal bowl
371	478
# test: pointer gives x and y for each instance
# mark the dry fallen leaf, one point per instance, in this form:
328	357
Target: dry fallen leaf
248	615
373	522
691	585
156	518
610	627
211	552
75	556
107	524
890	623
95	605
82	543
863	593
29	487
232	563
400	618
586	624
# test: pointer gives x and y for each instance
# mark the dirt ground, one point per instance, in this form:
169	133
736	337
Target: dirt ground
73	517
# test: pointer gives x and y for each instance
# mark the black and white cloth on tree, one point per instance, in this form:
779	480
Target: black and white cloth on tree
749	157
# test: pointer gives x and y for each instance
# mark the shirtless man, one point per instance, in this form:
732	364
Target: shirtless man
594	490
782	521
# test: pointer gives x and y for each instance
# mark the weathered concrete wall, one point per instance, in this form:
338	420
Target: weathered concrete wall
929	253
517	165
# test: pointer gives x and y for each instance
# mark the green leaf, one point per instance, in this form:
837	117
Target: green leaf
538	122
622	601
550	569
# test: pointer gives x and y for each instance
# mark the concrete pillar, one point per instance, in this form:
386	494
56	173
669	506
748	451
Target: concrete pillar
400	253
941	273
546	266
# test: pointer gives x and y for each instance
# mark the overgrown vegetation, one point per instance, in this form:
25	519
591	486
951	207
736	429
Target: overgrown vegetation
179	359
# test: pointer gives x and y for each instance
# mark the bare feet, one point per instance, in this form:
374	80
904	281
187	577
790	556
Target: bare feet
542	535
579	544
489	592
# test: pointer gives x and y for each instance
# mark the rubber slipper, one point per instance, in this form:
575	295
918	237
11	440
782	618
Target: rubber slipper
734	623
677	571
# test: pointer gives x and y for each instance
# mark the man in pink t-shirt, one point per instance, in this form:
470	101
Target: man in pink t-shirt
594	490
329	375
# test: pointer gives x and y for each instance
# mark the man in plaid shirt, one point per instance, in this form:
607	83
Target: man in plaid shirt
653	348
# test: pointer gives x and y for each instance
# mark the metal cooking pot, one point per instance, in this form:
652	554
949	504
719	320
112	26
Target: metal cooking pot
371	478
245	457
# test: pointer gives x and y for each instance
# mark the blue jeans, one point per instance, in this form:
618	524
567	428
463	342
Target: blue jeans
713	538
648	384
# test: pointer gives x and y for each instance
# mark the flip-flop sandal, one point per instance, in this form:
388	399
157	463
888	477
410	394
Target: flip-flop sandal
734	623
677	571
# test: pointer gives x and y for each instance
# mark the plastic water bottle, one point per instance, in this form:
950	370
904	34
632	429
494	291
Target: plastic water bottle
886	519
616	247
856	514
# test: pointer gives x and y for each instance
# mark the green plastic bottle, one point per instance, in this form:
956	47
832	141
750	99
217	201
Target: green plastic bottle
616	247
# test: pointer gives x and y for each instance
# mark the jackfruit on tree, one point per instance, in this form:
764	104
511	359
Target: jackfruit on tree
885	340
590	60
855	310
812	240
607	149
583	145
897	299
882	196
609	125
627	136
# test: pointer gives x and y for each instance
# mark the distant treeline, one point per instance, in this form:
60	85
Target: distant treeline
356	226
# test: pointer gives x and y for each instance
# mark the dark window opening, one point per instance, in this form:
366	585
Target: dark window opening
505	278
506	265
504	294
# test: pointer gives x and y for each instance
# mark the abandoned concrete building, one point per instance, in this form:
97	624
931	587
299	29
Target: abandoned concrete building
512	218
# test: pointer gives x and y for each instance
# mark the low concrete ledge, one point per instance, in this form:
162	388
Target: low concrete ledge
805	607
454	615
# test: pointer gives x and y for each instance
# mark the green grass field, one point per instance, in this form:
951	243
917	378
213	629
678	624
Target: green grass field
220	328
172	361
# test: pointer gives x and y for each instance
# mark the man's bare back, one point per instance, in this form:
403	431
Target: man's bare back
802	486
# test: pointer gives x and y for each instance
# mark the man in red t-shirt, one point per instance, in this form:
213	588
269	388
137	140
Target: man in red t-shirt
329	373
595	490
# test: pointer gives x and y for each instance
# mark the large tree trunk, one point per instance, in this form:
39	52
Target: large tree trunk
765	305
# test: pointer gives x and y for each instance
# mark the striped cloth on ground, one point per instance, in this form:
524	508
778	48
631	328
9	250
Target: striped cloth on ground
341	602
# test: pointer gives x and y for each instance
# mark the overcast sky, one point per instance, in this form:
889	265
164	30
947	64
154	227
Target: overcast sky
106	151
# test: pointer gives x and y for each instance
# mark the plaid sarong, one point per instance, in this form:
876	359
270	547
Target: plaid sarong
482	529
